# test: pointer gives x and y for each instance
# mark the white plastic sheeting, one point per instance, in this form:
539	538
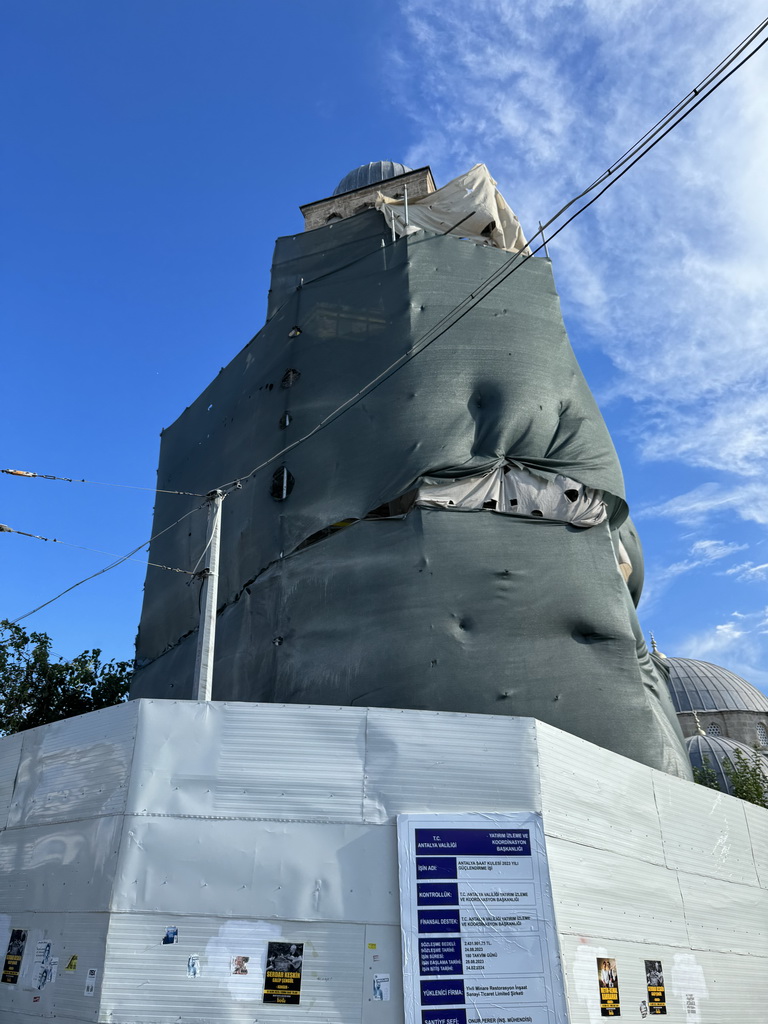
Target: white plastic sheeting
240	824
470	206
514	490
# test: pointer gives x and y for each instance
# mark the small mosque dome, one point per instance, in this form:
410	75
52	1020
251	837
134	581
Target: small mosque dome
369	174
701	686
715	751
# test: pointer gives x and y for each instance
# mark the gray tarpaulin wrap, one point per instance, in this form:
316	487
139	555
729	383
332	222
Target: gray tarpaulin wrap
441	608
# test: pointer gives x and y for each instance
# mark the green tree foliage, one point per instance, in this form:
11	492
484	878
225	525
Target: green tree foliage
747	778
706	774
35	690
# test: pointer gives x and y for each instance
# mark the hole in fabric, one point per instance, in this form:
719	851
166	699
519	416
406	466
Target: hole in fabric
282	484
289	378
491	503
209	408
512	502
294	332
571	494
399	507
537	513
285	419
396	509
277	641
270	386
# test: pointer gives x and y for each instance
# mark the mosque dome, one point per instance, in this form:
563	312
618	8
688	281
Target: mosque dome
701	686
719	713
716	751
369	174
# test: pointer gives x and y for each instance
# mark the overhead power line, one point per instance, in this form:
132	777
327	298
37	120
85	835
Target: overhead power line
607	179
112	565
98	483
82	547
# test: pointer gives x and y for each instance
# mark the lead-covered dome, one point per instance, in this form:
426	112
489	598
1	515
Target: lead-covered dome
716	751
369	174
701	686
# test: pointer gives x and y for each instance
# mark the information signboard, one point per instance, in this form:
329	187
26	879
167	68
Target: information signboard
479	942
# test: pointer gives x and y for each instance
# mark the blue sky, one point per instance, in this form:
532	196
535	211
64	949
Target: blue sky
153	151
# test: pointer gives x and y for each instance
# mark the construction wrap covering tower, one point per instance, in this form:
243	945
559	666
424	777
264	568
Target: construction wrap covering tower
455	537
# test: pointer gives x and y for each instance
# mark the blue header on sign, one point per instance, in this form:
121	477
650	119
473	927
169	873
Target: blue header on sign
442	993
440	956
495	842
443	1017
437	894
436	867
439	921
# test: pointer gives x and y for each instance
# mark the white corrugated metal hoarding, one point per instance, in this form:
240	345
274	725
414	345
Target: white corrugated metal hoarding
65	790
646	867
182	850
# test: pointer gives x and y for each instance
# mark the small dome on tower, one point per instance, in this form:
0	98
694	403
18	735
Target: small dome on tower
369	174
701	686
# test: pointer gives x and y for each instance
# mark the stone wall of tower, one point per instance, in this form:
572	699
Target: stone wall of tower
419	183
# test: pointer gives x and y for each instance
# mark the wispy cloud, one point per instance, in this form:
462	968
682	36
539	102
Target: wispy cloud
668	270
739	641
748	572
702	553
712	643
749	501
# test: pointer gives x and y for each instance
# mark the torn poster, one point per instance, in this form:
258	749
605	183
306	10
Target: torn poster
42	965
171	935
72	963
282	978
240	964
193	966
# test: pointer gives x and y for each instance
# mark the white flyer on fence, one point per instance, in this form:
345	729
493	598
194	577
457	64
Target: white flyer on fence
479	939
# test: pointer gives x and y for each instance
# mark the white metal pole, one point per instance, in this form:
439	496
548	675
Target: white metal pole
405	191
206	634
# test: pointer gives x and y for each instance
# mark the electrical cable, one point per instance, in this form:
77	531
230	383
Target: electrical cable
82	547
670	115
99	483
641	148
113	565
513	264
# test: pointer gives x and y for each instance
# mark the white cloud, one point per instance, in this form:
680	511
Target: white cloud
749	501
668	269
748	572
729	433
712	642
739	642
702	553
